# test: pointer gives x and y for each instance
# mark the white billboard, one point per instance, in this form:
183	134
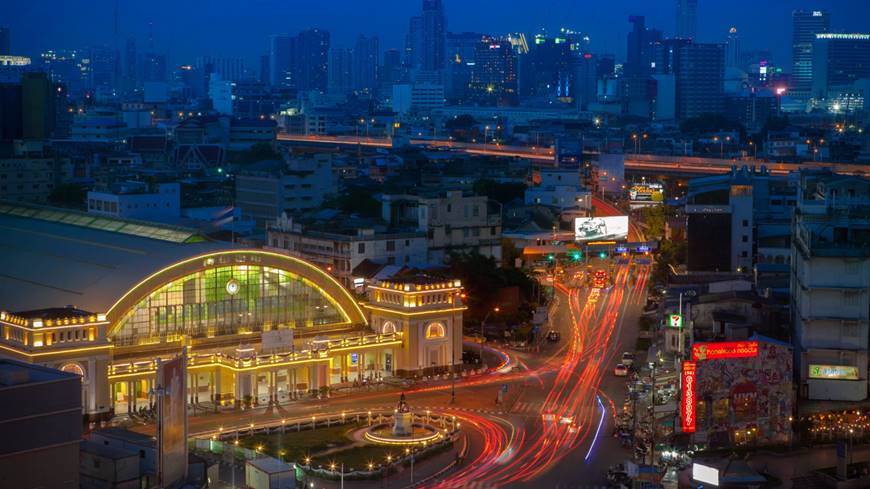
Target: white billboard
601	228
705	474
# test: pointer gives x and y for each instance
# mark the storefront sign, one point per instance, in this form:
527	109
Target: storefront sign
728	349
675	320
833	372
689	376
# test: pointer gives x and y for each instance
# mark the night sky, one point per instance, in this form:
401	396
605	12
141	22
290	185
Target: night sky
190	28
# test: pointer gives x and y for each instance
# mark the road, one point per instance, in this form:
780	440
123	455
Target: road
638	162
553	429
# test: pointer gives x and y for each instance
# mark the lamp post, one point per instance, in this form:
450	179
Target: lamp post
483	332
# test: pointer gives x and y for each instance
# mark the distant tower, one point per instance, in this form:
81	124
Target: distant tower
805	25
732	54
687	18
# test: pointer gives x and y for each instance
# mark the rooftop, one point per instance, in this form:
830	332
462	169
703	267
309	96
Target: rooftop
56	258
14	373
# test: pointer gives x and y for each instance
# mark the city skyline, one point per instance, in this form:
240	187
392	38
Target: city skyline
250	24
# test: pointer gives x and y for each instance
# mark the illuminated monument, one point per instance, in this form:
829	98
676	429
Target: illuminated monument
107	298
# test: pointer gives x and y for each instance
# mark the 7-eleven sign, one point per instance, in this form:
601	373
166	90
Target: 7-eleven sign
675	320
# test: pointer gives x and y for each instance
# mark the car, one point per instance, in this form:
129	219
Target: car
628	359
620	370
553	336
599	279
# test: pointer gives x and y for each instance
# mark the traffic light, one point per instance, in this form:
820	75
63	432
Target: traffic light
576	256
550	257
602	255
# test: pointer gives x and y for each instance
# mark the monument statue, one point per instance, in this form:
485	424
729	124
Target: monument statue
404	418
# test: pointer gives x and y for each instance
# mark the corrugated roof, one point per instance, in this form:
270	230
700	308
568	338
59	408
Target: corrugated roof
64	258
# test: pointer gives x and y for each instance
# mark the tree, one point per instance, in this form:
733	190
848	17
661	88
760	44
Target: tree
498	191
68	195
670	254
258	152
355	200
483	278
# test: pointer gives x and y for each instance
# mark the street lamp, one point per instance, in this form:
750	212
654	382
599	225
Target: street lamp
482	330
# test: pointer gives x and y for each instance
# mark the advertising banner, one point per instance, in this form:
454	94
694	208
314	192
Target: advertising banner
687	408
646	192
172	422
601	228
726	349
833	372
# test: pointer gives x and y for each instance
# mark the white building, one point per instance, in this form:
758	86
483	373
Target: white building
132	200
830	285
419	97
268	188
341	249
452	221
560	188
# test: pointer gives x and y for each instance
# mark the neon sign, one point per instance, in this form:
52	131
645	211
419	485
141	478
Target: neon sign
675	321
687	411
728	349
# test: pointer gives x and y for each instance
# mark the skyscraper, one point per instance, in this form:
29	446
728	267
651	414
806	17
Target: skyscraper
366	54
130	70
687	18
641	48
434	35
732	53
5	41
805	26
494	73
391	71
414	43
839	60
312	59
461	53
282	53
340	76
700	80
37	102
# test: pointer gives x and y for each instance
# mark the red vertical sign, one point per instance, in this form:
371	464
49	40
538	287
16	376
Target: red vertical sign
689	376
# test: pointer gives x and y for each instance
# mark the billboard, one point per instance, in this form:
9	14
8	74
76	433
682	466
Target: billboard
675	320
726	349
172	421
705	474
653	193
601	228
833	372
689	379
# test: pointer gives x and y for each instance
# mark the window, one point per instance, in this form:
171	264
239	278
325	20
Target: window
745	223
391	246
388	327
744	254
745	238
435	330
361	248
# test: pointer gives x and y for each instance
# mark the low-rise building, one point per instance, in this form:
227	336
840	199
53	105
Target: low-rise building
560	188
133	200
453	222
26	179
41	423
340	244
266	189
830	285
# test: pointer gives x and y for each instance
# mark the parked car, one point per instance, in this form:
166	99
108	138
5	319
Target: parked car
628	359
620	370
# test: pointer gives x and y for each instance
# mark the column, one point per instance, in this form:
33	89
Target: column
311	380
239	392
130	398
217	383
253	388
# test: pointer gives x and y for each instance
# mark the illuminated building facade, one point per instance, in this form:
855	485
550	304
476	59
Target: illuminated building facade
260	327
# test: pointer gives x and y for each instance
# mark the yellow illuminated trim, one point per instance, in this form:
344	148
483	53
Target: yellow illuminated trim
54	328
316	271
418	313
59	352
415	292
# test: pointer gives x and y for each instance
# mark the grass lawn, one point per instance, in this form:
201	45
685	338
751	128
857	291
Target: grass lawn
298	445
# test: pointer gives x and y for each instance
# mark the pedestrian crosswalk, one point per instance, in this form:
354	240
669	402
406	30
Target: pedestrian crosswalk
527	407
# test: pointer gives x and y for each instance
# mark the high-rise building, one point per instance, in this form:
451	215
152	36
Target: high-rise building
641	48
5	41
732	51
391	71
282	51
232	69
312	60
461	52
700	80
434	35
340	76
667	55
101	68
547	70
37	103
830	285
494	73
10	111
687	18
805	26
366	54
153	67
263	75
414	43
130	71
839	60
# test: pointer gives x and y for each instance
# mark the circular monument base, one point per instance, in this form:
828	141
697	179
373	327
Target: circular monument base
382	434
